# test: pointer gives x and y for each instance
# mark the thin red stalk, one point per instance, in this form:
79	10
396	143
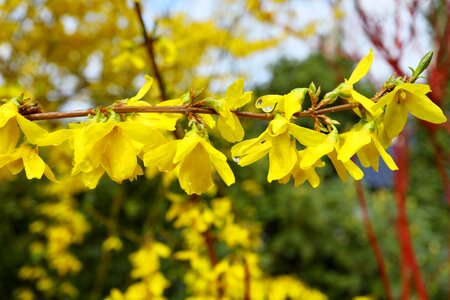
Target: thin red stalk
373	240
247	276
440	159
409	263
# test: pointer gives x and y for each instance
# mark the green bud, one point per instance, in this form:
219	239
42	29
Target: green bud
312	87
423	64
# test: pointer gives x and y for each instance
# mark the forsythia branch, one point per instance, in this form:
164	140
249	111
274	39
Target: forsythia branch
183	109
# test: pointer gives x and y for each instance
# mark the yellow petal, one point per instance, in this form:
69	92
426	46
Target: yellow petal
368	156
119	158
232	135
362	68
279	125
415	88
92	178
143	90
34	165
338	166
386	99
268	102
293	102
31	130
9	136
245	147
306	136
195	171
7	112
186	146
423	108
312	154
255	153
162	157
395	118
364	101
384	155
282	157
354	141
219	162
235	89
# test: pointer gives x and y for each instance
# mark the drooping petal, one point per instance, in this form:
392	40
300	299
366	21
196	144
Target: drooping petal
195	171
279	125
312	154
34	165
362	68
232	135
306	136
383	101
256	153
219	162
143	90
162	157
364	101
384	155
9	136
416	88
92	178
354	141
7	112
282	157
293	102
119	158
186	145
395	118
423	108
31	130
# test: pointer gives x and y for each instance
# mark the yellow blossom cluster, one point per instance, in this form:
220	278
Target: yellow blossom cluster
146	269
237	274
61	226
121	144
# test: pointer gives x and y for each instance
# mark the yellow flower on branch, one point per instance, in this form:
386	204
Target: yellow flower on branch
283	157
228	123
362	140
346	90
288	104
194	158
408	97
27	157
329	145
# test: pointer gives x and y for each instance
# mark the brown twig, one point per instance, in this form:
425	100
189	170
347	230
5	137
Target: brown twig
373	240
149	46
183	109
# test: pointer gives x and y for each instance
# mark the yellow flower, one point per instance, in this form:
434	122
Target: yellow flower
288	104
408	97
228	123
329	145
362	140
194	157
302	174
276	142
26	157
347	92
283	156
111	147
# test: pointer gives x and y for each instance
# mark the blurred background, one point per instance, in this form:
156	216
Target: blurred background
70	55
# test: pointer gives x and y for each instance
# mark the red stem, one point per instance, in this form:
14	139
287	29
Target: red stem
373	240
246	280
409	264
